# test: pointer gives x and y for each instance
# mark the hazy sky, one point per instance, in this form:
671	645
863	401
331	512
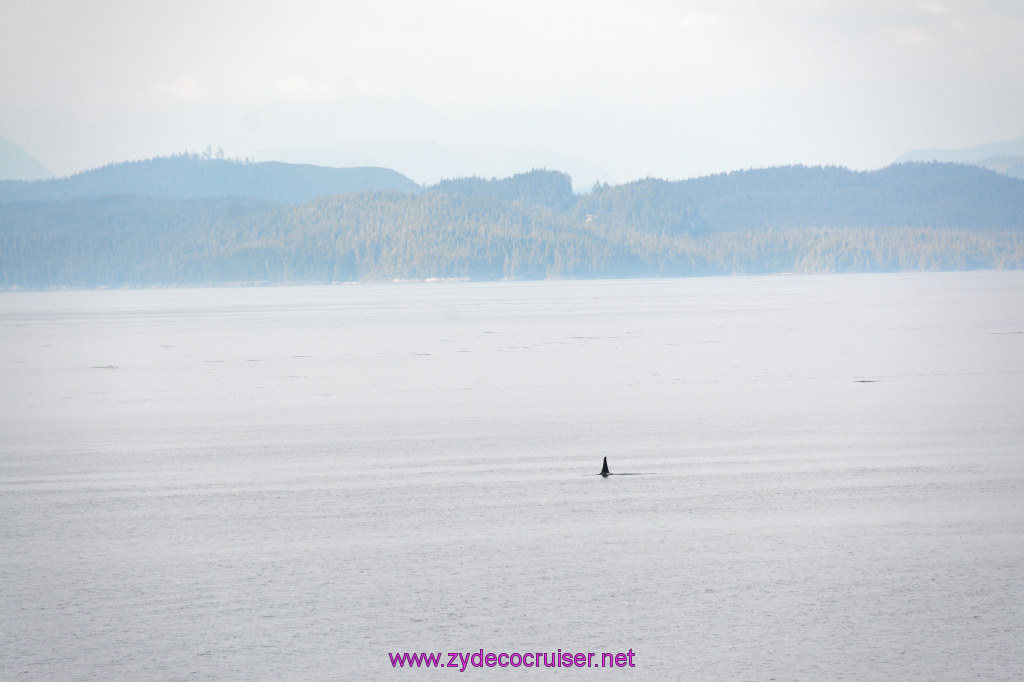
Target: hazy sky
646	87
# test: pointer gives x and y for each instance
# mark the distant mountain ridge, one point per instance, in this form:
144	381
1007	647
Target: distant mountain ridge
1006	157
971	155
914	216
550	189
931	195
190	176
18	164
429	162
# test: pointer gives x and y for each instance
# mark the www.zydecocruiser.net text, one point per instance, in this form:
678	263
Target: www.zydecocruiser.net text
462	660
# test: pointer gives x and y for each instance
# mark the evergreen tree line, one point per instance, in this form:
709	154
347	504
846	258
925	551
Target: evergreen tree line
530	226
191	176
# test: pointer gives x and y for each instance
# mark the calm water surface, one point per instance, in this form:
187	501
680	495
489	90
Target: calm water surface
289	483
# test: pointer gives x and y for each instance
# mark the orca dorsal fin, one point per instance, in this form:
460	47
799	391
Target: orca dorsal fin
604	467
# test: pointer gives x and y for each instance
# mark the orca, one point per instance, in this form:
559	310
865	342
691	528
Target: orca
605	473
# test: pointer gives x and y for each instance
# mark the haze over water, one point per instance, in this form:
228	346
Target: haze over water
289	483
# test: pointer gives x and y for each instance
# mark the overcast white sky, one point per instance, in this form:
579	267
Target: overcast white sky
623	88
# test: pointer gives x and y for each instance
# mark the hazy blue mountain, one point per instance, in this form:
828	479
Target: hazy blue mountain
969	154
428	162
130	240
1006	157
110	241
18	164
649	205
550	189
932	195
1007	165
191	176
930	216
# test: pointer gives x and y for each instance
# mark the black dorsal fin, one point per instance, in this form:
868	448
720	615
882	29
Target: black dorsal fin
604	467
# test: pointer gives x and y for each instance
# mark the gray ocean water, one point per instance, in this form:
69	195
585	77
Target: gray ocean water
290	483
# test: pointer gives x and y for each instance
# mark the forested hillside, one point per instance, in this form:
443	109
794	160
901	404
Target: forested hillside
932	195
549	189
793	219
1005	156
191	176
